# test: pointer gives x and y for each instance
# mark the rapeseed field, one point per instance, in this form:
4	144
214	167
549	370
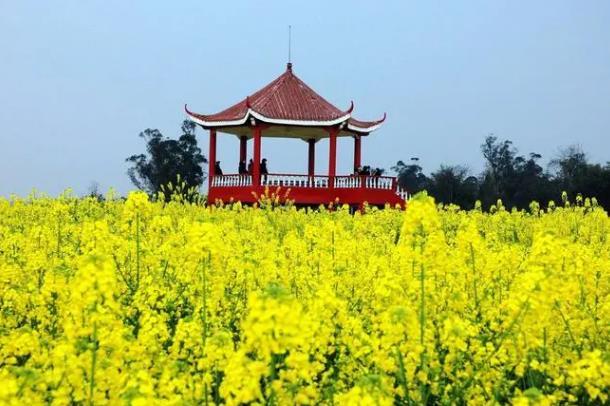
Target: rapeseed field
145	302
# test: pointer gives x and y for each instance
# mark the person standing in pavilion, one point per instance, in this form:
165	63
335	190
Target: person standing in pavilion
251	167
242	168
217	169
264	171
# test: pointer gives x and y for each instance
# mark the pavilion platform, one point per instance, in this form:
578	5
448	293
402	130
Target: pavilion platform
316	190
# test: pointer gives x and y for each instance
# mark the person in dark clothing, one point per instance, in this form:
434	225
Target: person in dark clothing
242	168
264	170
217	170
250	167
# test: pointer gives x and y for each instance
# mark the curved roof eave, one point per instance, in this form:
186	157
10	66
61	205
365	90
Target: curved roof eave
197	118
365	126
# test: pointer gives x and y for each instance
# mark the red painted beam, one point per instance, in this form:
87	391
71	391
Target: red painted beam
212	157
256	171
357	152
332	154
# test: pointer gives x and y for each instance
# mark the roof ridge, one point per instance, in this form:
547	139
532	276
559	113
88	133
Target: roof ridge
319	96
281	81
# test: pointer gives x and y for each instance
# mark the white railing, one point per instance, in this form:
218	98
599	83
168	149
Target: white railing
368	182
402	193
348	182
294	181
316	182
231	180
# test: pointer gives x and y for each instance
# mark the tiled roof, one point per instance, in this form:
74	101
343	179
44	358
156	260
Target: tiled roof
287	101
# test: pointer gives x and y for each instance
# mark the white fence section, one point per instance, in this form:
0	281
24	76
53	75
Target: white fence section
231	180
348	182
403	194
294	181
368	182
372	182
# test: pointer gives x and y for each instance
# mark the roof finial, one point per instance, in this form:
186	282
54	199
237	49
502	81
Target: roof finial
289	65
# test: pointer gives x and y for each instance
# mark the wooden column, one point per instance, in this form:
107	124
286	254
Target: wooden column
256	170
332	156
212	156
312	157
243	148
357	152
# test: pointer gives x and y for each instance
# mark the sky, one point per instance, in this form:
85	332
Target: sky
79	80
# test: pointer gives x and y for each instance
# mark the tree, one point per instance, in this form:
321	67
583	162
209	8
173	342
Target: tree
570	167
574	174
94	191
166	159
496	179
530	182
515	179
411	177
452	184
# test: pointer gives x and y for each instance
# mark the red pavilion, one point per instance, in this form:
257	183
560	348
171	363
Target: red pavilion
288	108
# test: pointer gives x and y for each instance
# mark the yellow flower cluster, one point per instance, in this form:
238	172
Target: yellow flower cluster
145	302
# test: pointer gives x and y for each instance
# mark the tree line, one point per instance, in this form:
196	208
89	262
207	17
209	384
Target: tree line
515	179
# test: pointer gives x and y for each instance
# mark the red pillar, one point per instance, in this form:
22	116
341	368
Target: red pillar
312	156
243	145
332	155
357	152
212	156
256	170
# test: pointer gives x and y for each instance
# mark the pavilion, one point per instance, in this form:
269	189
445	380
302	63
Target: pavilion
288	108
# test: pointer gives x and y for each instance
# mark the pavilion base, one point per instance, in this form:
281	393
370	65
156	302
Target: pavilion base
308	196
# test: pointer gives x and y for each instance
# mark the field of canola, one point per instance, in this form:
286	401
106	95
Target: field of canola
144	302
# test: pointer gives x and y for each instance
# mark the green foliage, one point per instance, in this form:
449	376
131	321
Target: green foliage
514	179
167	160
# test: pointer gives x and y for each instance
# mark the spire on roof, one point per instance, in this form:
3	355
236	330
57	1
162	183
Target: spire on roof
289	44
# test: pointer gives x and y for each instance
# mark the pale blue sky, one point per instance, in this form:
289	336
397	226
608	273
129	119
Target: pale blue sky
80	79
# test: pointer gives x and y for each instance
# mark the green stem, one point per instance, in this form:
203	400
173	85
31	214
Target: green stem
569	330
474	278
402	376
137	251
204	305
544	350
58	237
422	326
422	304
93	362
